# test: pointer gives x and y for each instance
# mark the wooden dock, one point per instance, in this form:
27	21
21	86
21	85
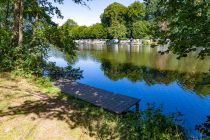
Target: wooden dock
110	101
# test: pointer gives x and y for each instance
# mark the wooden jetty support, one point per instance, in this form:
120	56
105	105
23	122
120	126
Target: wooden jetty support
110	101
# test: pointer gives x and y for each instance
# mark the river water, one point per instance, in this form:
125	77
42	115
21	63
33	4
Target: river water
141	72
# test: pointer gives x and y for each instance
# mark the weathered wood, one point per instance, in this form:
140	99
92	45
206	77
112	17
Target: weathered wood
110	101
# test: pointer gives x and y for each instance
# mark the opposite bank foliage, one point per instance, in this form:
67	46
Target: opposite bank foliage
117	22
185	23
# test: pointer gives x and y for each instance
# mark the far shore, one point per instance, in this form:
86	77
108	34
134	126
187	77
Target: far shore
116	41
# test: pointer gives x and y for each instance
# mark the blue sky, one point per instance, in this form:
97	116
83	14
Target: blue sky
83	15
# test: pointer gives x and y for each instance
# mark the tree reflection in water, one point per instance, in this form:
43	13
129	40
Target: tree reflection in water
199	82
204	128
68	72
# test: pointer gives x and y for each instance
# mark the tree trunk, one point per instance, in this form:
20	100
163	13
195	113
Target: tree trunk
17	37
15	33
20	41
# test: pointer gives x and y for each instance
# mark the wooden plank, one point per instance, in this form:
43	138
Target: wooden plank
111	101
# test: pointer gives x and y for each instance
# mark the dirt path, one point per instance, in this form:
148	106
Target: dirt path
26	113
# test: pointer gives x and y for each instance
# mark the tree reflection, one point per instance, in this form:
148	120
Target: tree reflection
116	72
68	72
204	128
197	82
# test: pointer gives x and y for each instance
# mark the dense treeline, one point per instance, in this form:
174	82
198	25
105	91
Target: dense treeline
185	23
117	22
26	28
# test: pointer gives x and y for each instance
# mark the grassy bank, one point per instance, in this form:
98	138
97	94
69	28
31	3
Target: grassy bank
34	109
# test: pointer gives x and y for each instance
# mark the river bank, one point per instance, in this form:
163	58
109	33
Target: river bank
129	42
116	41
36	110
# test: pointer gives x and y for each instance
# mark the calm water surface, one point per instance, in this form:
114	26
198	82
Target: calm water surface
141	72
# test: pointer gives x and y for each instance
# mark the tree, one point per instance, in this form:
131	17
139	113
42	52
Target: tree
136	12
79	32
114	12
188	26
67	26
95	31
117	30
99	31
17	35
152	9
26	31
140	29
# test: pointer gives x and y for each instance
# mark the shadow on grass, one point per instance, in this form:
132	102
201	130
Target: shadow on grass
98	122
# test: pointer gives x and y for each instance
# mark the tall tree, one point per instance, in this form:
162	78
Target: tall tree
114	12
187	26
152	8
140	29
136	12
68	26
98	31
117	30
17	35
26	32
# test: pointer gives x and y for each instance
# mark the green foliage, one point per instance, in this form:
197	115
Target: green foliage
152	9
118	14
98	31
114	12
117	30
147	124
140	29
116	22
5	63
78	32
136	11
26	32
186	25
67	27
150	124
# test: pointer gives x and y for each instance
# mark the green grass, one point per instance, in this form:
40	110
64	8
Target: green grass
32	108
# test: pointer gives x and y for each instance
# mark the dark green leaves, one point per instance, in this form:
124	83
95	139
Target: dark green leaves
188	26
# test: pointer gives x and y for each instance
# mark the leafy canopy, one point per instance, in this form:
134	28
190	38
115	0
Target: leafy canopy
187	25
27	31
114	12
117	30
